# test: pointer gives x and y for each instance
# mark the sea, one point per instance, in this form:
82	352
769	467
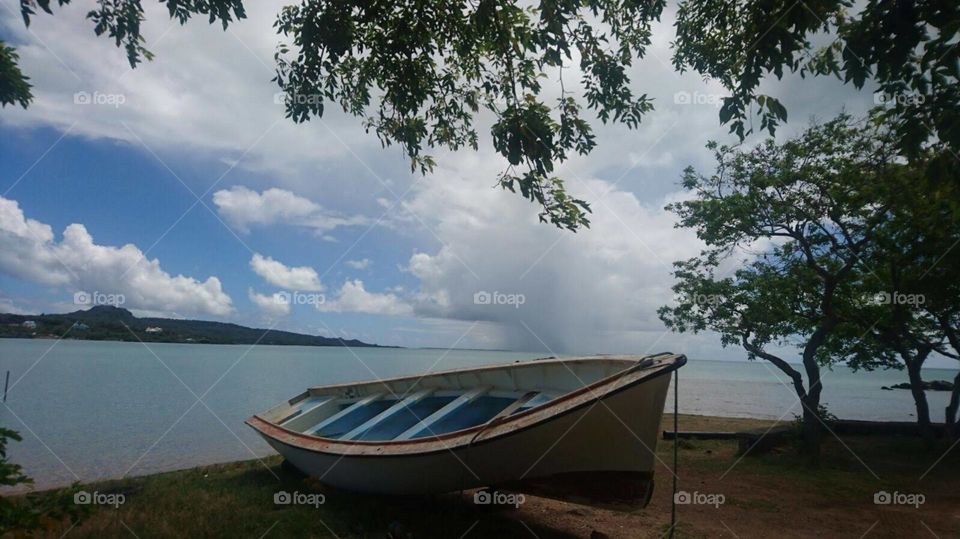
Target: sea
92	410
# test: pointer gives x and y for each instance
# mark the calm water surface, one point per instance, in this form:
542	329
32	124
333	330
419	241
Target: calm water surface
93	410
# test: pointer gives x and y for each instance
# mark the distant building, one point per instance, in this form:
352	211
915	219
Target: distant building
154	329
80	325
30	324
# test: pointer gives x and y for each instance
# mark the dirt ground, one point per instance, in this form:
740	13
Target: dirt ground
778	494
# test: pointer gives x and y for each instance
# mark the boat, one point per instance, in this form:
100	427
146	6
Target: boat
580	429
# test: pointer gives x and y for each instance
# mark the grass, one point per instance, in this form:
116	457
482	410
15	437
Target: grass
779	493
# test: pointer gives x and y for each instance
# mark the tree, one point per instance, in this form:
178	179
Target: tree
12	514
25	515
937	222
915	270
420	72
951	328
910	295
802	211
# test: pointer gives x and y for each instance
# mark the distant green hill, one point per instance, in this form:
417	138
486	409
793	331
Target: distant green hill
107	323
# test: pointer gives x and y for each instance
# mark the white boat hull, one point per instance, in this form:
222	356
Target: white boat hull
606	435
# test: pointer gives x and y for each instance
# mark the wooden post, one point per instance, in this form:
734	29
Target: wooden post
5	386
676	443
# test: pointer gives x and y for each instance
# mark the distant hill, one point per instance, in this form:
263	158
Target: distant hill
107	323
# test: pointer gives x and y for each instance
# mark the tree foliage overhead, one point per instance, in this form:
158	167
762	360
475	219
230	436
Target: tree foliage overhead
420	72
120	20
14	88
906	47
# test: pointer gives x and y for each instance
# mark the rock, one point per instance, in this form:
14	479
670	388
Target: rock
941	385
598	535
931	385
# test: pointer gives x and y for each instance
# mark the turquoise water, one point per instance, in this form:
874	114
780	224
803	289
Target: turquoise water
93	410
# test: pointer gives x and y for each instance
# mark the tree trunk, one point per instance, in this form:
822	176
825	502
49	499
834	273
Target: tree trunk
951	412
812	422
920	399
812	431
812	427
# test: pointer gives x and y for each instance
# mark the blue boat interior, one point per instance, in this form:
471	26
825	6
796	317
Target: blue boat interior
385	417
479	411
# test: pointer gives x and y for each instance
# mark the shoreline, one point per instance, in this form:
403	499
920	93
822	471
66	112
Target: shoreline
774	494
694	420
688	422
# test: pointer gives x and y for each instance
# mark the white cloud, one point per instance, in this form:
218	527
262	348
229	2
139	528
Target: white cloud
359	264
29	251
8	306
275	304
292	278
597	290
243	208
240	119
354	298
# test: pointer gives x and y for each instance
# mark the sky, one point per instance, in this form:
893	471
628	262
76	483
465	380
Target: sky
180	189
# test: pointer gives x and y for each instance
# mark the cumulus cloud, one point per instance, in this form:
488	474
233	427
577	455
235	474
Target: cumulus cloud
597	290
29	251
361	264
244	208
276	304
354	298
292	278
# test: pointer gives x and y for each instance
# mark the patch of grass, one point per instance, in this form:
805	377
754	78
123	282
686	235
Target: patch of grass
684	443
237	500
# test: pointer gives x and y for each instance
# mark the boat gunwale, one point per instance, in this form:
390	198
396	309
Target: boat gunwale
495	366
471	436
